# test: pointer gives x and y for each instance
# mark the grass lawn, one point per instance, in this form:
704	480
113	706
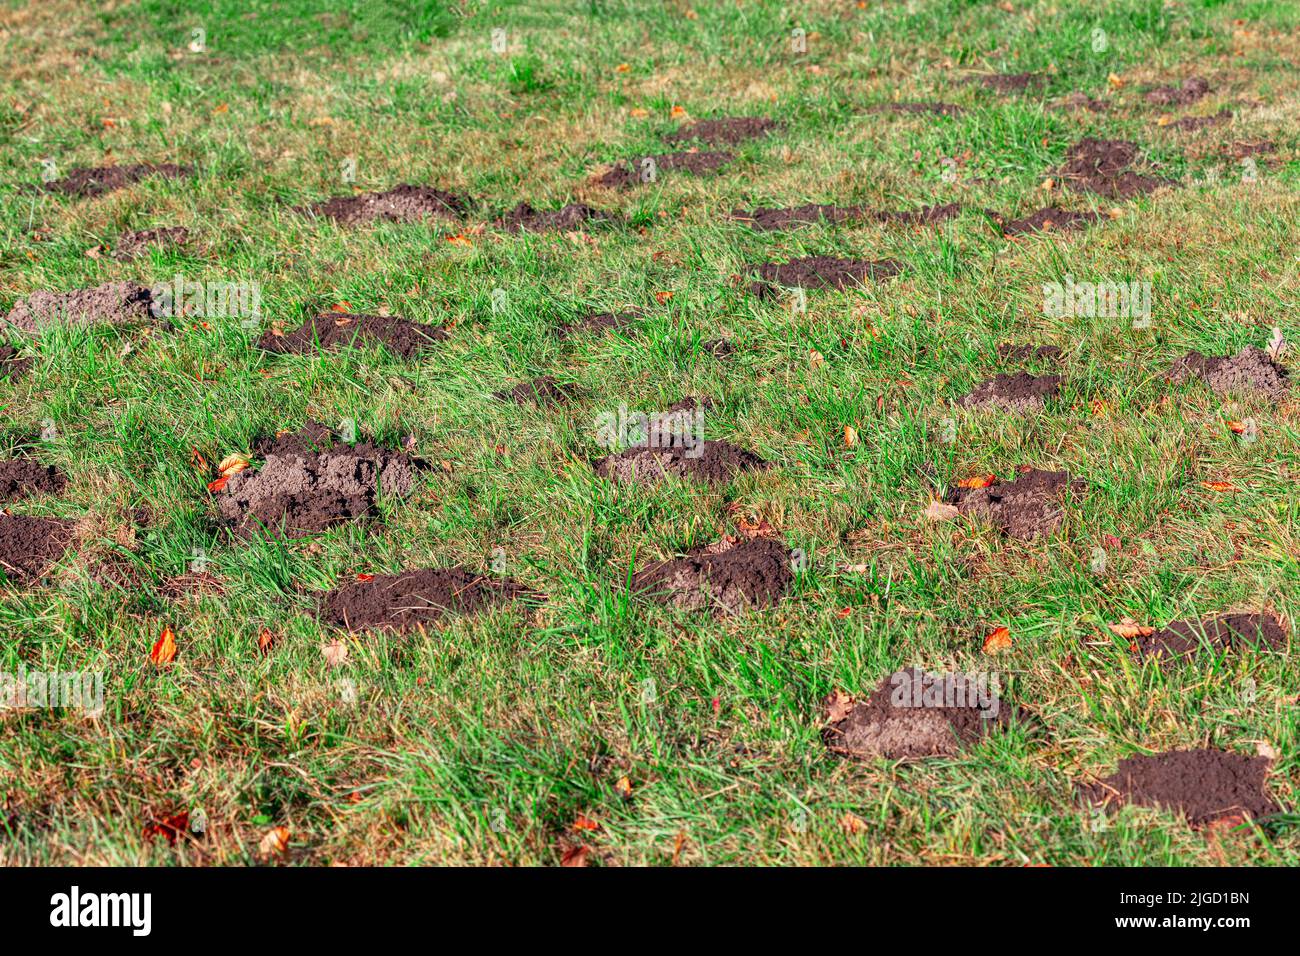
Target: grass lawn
586	722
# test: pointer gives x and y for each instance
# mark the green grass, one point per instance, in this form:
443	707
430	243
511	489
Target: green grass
482	742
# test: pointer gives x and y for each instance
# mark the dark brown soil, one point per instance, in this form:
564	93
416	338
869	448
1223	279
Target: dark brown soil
329	331
1204	785
95	181
908	717
820	272
132	245
406	601
1102	166
1011	82
770	218
1244	148
310	481
574	216
20	477
1033	504
935	108
718	348
1029	353
1191	90
404	203
1201	122
719	462
115	303
1050	219
727	576
544	392
13	365
925	216
1082	101
1251	372
626	174
30	545
724	131
1215	634
602	322
1013	392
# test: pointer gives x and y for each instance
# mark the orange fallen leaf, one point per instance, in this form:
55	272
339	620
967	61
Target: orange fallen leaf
623	787
218	484
997	641
638	112
623	68
662	297
978	481
365	577
459	240
677	112
1219	486
851	823
274	842
850	436
341	306
844	612
575	856
586	823
265	640
1128	628
164	649
222	108
231	465
1237	427
198	460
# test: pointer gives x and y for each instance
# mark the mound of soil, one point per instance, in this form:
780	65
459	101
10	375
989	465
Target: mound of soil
1204	785
625	174
310	481
1013	392
1102	166
132	245
13	365
935	108
819	272
20	477
718	348
724	131
1029	353
1050	219
114	303
1082	101
86	181
1244	148
1201	122
403	203
568	218
1192	89
404	602
601	322
718	462
329	331
768	218
727	576
1033	504
1252	371
544	392
1216	634
1011	82
924	216
913	715
29	545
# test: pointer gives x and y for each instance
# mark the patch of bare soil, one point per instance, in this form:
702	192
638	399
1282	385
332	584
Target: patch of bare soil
1009	352
114	303
1011	82
544	392
1190	91
20	477
30	545
1013	392
412	599
713	462
727	576
132	245
1032	504
630	173
914	108
1214	634
403	203
570	218
1251	372
330	331
724	131
1200	122
1050	219
1102	166
86	181
13	365
820	272
624	321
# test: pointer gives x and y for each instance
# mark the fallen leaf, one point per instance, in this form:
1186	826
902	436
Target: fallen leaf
275	842
459	240
341	306
1128	628
815	359
838	706
575	856
623	787
1219	486
586	823
1236	427
1265	749
222	108
1115	82
663	297
170	826
851	823
231	465
1276	343
850	436
361	576
997	641
844	612
978	481
336	653
939	511
638	112
677	112
265	640
623	68
164	649
217	484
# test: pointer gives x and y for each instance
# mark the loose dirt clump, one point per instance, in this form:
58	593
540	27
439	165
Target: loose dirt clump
1243	148
768	218
132	245
1201	122
20	477
115	303
727	577
626	174
1204	785
935	108
330	331
30	545
712	462
407	601
1029	353
1191	90
1013	392
570	218
1011	82
544	392
403	203
1032	504
820	272
13	365
1252	371
912	715
1082	101
85	181
602	322
724	131
1215	634
310	481
1050	219
1102	166
718	348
